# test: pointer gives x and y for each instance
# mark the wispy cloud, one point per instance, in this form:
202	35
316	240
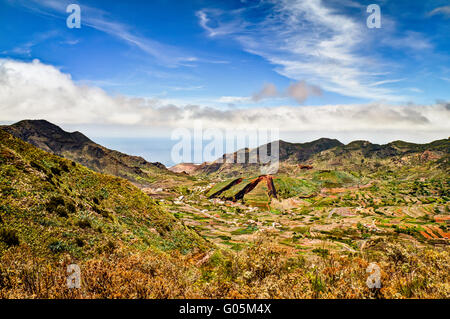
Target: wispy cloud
234	99
26	48
227	25
444	10
102	21
186	88
410	40
311	40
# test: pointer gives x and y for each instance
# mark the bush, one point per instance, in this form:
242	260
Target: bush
71	208
321	252
61	211
54	202
37	166
57	246
56	171
84	223
79	242
9	237
64	167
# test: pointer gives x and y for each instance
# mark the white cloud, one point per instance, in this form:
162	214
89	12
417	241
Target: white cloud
233	99
26	48
445	10
38	91
313	41
415	90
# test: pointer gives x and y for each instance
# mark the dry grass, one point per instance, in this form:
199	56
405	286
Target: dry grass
261	271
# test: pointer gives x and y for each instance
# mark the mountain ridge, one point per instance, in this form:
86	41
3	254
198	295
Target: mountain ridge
321	151
79	148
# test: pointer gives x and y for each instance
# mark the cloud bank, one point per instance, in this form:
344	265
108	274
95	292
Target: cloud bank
38	91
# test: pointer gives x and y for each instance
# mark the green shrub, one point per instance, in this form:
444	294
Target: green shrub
321	252
64	167
56	171
79	242
9	237
84	223
37	166
57	246
71	208
61	211
54	202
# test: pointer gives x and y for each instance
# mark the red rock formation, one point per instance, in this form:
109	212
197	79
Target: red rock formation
247	189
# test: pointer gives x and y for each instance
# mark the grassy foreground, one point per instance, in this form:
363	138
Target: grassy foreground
260	271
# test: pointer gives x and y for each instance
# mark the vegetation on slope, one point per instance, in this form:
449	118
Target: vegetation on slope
56	206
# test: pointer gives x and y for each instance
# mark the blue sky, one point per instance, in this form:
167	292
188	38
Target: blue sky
201	51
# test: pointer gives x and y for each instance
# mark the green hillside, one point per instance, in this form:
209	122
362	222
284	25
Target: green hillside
56	206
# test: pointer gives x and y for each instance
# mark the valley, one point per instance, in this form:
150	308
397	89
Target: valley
223	230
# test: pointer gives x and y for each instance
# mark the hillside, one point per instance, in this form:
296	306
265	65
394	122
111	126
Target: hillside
365	156
248	160
77	147
56	206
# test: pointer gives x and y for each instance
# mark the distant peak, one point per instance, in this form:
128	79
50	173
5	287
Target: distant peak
38	124
46	128
359	143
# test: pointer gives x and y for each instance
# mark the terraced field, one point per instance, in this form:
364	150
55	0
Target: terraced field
319	212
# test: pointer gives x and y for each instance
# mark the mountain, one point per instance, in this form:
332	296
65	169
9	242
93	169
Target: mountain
250	159
56	206
327	153
187	168
79	148
364	155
